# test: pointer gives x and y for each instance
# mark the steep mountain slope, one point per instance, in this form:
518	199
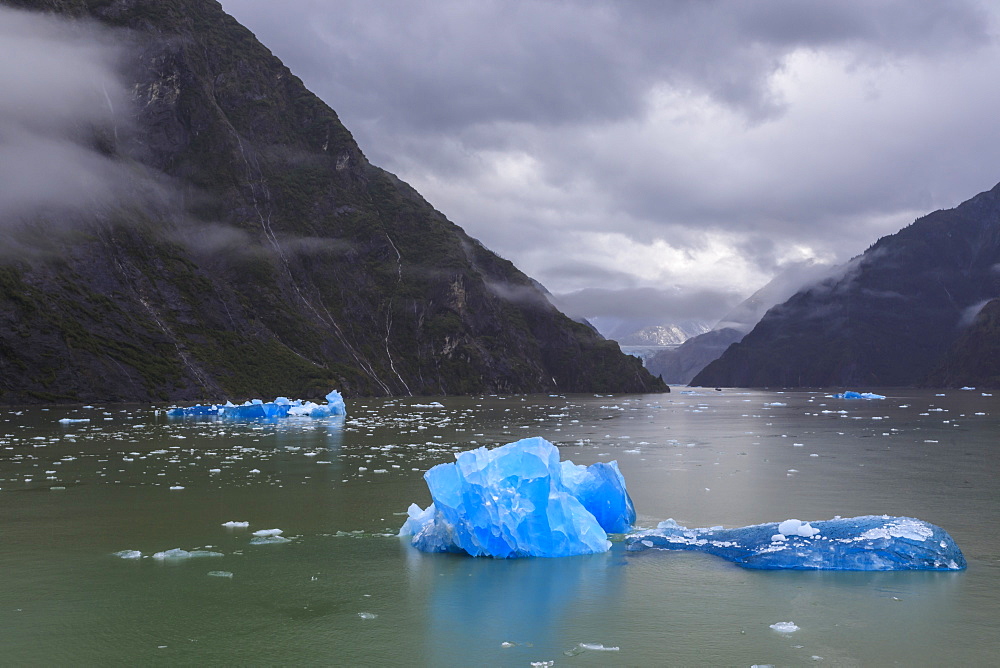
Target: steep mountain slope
255	251
887	319
974	358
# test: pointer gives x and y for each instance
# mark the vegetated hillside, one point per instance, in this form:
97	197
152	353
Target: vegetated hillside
887	319
257	252
974	358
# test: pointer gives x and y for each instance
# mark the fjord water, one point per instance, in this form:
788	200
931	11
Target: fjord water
344	591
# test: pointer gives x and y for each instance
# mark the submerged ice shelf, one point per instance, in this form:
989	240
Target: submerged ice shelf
519	500
281	407
868	543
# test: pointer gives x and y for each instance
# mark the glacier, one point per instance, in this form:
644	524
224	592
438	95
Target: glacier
257	409
519	500
868	543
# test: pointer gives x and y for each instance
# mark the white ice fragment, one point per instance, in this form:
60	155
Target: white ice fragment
178	553
128	554
268	532
233	524
797	528
220	574
269	540
597	647
367	615
785	627
175	488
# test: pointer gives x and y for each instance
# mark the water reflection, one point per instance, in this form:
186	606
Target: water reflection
519	610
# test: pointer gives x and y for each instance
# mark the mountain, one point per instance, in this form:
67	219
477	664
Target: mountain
974	357
886	318
231	240
680	365
663	335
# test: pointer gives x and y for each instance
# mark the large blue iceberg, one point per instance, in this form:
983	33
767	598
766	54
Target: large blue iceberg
869	543
256	409
519	500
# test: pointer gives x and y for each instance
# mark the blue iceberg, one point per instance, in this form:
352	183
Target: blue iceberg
851	394
256	409
869	543
519	500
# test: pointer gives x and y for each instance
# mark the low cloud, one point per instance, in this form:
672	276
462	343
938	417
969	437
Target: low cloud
63	112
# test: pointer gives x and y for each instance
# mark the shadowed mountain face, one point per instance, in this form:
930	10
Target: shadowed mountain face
887	318
974	358
231	240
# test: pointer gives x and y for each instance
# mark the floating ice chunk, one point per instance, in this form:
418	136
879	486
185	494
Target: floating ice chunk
220	574
129	554
597	647
785	627
850	394
235	525
178	554
868	543
367	615
268	532
518	500
256	409
269	539
71	420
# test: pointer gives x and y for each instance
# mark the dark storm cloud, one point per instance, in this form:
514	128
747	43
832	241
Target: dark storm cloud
555	131
449	64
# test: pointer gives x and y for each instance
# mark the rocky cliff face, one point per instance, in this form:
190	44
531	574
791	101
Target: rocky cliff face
887	318
257	252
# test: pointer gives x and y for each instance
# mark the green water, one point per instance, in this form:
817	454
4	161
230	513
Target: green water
344	591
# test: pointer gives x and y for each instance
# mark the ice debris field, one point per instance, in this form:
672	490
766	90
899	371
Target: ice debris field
257	409
519	500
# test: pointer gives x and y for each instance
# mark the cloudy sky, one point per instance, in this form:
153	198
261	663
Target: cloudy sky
660	160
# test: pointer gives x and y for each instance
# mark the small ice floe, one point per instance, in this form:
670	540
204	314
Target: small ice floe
269	537
72	420
785	627
232	524
367	615
178	554
176	488
128	554
220	574
582	647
